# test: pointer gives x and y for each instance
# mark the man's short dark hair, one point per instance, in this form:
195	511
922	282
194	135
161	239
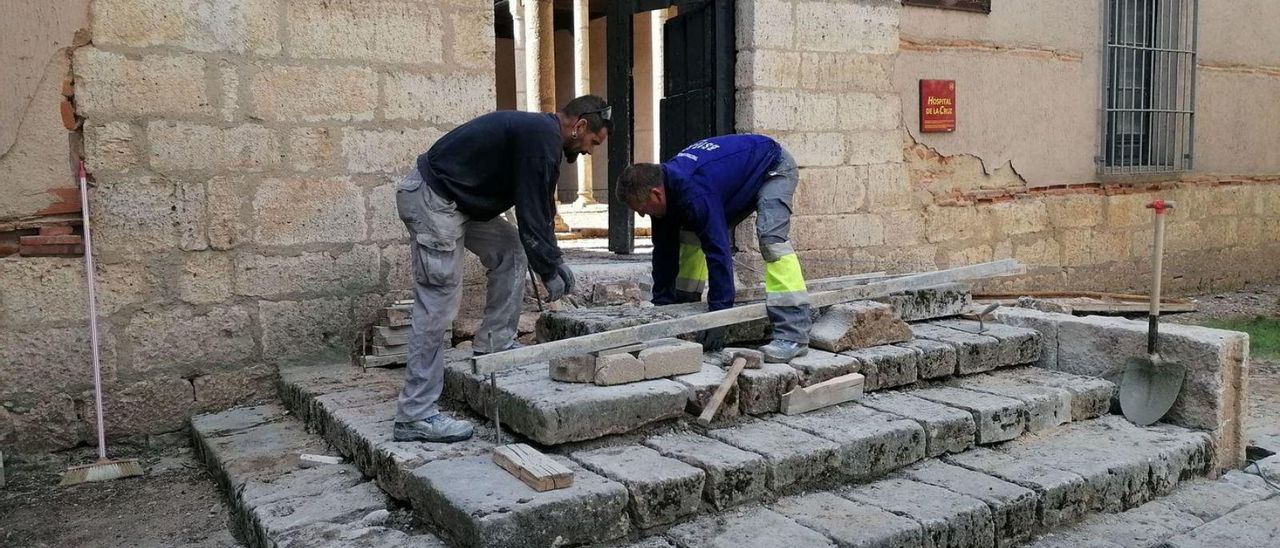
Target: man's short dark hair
591	108
637	180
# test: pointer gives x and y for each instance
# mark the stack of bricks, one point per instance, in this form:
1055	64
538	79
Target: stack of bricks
52	241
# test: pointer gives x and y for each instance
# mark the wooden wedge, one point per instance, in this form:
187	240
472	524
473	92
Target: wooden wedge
538	471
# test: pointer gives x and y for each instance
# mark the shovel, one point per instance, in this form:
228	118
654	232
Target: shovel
1151	384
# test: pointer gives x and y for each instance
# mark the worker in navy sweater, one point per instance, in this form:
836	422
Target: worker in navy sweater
695	200
452	199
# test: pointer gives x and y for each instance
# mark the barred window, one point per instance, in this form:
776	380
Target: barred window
1149	86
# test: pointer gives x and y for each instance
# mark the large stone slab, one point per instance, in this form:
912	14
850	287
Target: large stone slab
871	443
1090	396
1018	345
1046	323
857	324
754	527
886	366
662	489
733	476
479	504
795	457
1047	407
561	324
948	519
998	418
936	359
947	429
344	505
760	390
354	536
1064	497
1013	508
1146	525
939	301
1210	500
974	353
851	524
1252	526
818	365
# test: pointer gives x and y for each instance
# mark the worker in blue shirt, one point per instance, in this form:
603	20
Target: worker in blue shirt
695	200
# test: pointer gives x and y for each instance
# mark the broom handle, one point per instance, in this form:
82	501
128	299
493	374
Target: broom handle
93	311
1157	252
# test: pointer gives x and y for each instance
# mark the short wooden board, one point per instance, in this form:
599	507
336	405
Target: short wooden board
391	336
397	316
383	361
824	394
399	349
535	469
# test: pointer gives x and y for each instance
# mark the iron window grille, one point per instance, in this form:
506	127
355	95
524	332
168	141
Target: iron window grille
1149	86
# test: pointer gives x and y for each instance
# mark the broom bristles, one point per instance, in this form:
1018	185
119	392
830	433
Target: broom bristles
102	471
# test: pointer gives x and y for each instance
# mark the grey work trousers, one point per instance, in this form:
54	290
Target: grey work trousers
789	311
438	234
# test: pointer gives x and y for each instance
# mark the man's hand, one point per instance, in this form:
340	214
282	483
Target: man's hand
712	340
559	284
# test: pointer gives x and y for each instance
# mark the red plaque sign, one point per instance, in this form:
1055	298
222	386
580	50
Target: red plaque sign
937	106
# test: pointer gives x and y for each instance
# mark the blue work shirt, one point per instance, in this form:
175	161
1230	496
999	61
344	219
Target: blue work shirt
709	186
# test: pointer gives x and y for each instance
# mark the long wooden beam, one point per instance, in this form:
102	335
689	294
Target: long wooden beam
577	346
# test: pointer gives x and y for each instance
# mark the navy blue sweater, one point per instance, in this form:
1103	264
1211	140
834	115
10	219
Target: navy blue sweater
499	160
708	185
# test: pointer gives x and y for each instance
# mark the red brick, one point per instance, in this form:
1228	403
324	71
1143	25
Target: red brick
7	249
68	87
55	230
51	250
68	112
70	239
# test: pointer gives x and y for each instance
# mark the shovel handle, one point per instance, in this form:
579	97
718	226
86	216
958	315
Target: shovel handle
1157	259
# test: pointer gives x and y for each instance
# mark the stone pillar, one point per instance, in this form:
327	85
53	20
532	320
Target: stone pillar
658	51
516	7
540	62
582	86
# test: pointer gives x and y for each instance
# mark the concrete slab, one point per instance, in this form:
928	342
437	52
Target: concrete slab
820	365
794	457
1252	526
1046	406
481	505
871	443
760	390
1013	508
1018	345
733	476
886	366
998	418
354	536
344	505
851	524
753	527
702	385
947	429
948	519
662	490
1064	497
974	353
932	302
857	324
1090	396
935	359
1146	525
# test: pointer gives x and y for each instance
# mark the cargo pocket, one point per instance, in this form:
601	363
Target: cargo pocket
433	261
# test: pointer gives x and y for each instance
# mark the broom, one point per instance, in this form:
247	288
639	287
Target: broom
105	469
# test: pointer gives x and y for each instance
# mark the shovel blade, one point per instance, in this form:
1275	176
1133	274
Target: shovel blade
1149	388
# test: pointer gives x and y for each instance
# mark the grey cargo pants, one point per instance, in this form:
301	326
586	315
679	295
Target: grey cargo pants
438	234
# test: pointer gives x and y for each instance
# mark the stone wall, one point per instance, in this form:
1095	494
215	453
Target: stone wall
245	154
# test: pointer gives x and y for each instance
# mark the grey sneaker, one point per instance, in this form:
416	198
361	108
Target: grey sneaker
780	351
439	428
477	352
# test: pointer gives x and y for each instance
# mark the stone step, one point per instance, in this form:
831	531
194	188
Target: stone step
253	453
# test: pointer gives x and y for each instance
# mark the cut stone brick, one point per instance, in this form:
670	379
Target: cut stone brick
733	476
794	456
1044	323
1046	406
573	369
858	324
473	499
886	366
1013	508
754	527
668	360
1090	396
662	489
621	368
851	524
1064	496
871	443
760	390
929	303
1019	345
998	418
818	366
949	519
974	353
935	359
947	429
702	385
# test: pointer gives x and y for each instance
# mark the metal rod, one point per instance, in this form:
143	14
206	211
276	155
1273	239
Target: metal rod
1191	118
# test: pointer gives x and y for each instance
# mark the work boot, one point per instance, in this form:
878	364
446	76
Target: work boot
780	351
477	352
439	428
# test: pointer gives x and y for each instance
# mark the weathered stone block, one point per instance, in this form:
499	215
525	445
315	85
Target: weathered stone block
110	85
52	289
934	359
438	98
702	385
997	418
332	506
948	518
292	330
850	523
237	26
296	211
473	39
871	443
355	534
315	148
760	390
1146	525
1044	323
110	147
1064	496
144	214
1252	525
1046	406
386	150
1090	396
313	93
886	366
407	33
473	499
930	303
1210	500
857	325
974	353
1013	508
662	489
356	271
573	369
620	368
766	24
1018	345
668	360
182	340
840	27
946	429
733	476
818	366
794	456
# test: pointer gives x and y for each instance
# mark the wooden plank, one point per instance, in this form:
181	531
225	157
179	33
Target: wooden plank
1093	301
585	344
824	394
389	336
397	316
383	361
713	405
393	350
536	470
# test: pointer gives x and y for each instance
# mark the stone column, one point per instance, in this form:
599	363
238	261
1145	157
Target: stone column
516	7
582	86
539	56
657	51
